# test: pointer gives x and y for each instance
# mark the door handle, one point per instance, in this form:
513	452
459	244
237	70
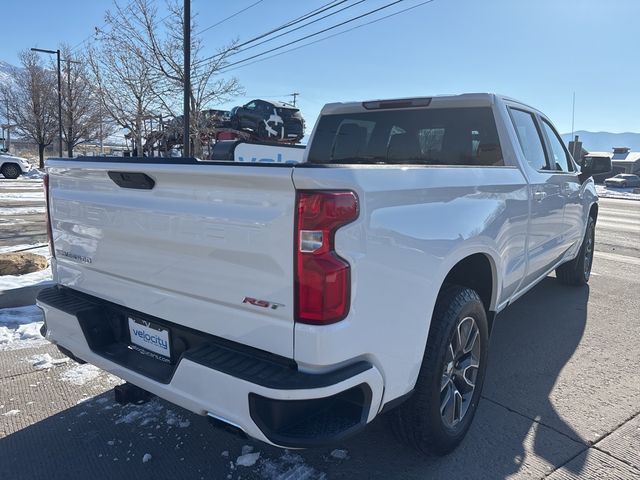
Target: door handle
539	195
566	188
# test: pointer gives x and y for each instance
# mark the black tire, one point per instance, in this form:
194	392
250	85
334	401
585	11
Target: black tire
10	170
578	270
262	130
419	422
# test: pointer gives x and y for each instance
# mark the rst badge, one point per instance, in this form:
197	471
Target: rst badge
262	303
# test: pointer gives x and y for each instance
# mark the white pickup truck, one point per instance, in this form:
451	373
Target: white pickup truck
296	303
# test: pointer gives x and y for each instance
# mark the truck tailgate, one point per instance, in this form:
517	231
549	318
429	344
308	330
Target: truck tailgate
209	247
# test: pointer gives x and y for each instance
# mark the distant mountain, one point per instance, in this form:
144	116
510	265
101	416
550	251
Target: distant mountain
605	141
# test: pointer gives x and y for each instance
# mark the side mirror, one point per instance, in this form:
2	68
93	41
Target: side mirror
595	165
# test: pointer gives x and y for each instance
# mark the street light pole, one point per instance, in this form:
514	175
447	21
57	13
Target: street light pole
186	142
57	53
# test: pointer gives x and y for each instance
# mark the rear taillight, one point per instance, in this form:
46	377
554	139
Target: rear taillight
323	280
49	231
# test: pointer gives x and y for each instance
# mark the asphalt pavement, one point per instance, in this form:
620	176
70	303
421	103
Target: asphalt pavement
561	400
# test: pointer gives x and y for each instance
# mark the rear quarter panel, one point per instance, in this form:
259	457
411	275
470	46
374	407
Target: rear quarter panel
415	224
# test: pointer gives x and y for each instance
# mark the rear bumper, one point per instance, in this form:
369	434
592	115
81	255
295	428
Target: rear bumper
264	395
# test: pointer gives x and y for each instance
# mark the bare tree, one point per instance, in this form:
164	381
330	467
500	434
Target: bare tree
123	83
159	44
32	102
81	110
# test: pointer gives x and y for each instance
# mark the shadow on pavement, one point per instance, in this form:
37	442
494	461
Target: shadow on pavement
532	341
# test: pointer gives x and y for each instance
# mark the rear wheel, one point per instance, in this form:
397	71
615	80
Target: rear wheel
10	170
578	270
437	416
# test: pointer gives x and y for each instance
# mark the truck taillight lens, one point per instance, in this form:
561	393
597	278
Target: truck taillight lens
323	280
49	231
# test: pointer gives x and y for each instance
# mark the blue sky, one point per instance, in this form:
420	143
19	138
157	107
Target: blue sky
539	51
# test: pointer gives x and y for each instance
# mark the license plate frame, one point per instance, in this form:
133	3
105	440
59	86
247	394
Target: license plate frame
149	338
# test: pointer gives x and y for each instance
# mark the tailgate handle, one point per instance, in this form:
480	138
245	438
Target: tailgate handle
138	180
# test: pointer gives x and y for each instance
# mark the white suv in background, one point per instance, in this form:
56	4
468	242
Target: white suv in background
12	166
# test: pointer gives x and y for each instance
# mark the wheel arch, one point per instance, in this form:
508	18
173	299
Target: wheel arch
479	272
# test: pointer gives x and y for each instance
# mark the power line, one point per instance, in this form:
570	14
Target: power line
302	18
298	28
371	12
225	70
229	17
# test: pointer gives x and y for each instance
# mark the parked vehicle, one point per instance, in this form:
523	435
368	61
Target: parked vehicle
297	302
623	180
12	166
269	120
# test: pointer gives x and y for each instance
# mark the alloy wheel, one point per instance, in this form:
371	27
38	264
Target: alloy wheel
460	371
588	252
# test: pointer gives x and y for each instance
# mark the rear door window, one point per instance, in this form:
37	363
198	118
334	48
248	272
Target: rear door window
529	138
430	136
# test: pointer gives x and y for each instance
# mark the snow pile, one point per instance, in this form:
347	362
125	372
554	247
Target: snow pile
44	361
81	374
20	328
626	193
9	282
11	413
151	412
33	174
291	466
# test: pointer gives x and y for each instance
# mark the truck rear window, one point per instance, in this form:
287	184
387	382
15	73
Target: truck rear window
428	136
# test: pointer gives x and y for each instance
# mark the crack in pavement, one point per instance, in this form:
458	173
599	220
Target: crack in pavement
580	441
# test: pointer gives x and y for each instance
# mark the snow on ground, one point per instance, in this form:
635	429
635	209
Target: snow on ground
152	412
609	192
20	328
33	174
81	374
30	196
22	183
11	413
22	210
248	459
290	466
44	361
8	282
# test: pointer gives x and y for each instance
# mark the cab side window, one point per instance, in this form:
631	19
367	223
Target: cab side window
529	138
559	156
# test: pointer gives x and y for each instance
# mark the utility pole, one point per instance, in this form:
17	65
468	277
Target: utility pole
186	139
294	95
59	106
57	54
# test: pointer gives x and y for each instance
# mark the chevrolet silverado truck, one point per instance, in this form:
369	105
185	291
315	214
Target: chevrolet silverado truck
297	302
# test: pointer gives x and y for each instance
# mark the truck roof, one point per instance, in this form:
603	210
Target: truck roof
461	100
